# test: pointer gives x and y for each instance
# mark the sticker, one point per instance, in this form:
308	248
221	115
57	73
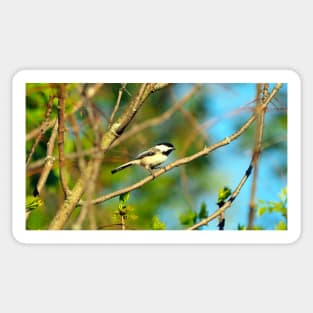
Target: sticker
156	156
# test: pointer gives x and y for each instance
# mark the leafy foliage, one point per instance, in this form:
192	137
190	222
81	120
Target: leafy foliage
191	217
157	224
223	194
275	207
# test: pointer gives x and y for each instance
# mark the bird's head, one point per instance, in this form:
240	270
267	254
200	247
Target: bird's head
165	147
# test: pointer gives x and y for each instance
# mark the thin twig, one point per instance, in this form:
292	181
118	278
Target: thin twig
88	152
207	124
194	124
256	151
78	143
184	186
61	130
117	104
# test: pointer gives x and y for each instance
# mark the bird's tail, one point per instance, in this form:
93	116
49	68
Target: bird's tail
122	167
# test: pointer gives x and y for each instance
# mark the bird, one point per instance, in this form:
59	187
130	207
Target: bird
149	159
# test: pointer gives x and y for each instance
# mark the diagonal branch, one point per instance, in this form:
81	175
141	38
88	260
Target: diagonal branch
227	204
129	113
159	119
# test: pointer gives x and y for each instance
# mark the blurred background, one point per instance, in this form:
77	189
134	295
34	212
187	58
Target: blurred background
190	116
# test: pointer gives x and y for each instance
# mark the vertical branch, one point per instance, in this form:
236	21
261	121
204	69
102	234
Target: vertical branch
88	208
49	160
123	224
61	130
119	98
260	112
70	202
78	143
184	186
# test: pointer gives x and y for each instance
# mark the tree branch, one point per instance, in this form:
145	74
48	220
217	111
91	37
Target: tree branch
88	152
88	209
122	122
108	138
159	119
49	160
256	151
227	204
78	143
61	130
115	109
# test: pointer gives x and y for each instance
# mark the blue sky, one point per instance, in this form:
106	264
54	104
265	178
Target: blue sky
232	161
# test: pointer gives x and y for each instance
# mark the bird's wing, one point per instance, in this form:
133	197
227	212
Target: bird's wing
146	153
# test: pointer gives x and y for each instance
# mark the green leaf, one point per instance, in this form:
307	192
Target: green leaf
283	194
124	197
281	226
256	227
188	218
33	203
203	211
223	194
261	211
241	227
157	224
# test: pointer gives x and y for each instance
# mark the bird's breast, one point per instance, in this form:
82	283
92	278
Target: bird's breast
154	160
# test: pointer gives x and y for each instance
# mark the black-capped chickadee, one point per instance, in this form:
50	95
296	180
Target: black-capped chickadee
151	158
